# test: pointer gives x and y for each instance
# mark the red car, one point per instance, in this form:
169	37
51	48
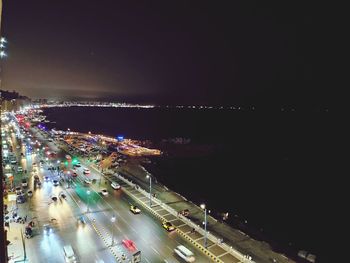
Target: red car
129	244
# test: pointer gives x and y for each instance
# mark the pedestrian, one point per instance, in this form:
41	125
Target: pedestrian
25	218
193	230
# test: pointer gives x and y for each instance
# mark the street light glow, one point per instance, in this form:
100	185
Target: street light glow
202	206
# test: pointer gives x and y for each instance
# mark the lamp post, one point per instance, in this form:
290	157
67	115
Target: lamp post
205	224
150	189
113	220
88	199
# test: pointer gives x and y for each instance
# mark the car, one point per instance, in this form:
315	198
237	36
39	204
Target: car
135	209
28	233
62	195
168	226
81	220
55	183
46	178
104	192
185	212
129	244
87	181
20	199
77	165
47	228
17	147
86	171
18	190
69	255
19	169
30	193
38	183
34	165
74	174
54	198
115	185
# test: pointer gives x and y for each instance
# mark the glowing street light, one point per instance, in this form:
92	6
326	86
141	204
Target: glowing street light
205	224
113	221
150	189
3	40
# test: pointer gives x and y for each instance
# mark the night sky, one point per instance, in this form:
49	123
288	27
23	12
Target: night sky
176	52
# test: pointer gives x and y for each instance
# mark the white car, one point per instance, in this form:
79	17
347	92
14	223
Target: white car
104	192
24	183
87	181
115	185
86	171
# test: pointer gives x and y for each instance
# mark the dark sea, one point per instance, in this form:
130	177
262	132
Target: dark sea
271	170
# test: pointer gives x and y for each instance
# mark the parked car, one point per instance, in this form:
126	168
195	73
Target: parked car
185	212
86	171
55	183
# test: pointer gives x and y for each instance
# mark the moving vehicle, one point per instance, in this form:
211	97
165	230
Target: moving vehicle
18	190
20	199
87	181
86	171
184	253
168	226
115	185
28	232
104	192
30	193
129	244
62	195
55	183
19	169
69	255
81	220
135	209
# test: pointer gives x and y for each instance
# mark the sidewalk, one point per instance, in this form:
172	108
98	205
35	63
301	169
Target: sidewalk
15	248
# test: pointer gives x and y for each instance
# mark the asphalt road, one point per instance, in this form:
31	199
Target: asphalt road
92	241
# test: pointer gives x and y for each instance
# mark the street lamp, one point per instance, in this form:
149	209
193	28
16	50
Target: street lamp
205	224
113	220
88	193
150	189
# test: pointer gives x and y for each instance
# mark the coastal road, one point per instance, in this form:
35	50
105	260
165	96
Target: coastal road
154	242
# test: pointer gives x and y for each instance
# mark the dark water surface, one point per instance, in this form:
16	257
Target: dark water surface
270	168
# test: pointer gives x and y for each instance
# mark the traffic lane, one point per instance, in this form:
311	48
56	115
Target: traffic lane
153	235
103	214
84	239
120	201
151	227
